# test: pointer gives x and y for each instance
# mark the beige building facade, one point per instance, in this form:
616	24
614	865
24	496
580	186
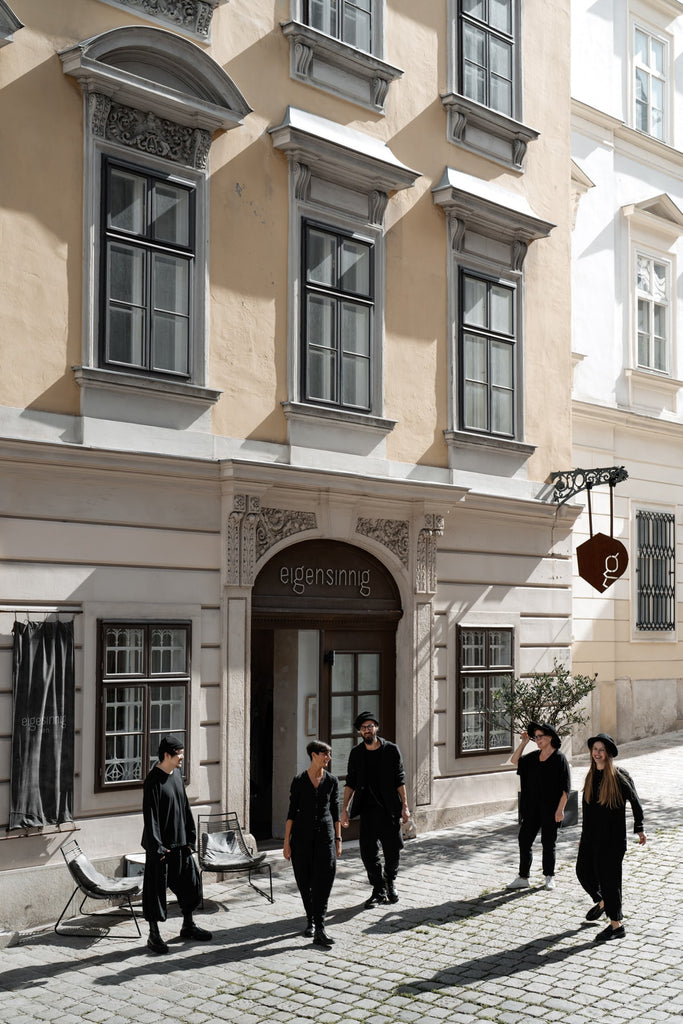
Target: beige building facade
286	369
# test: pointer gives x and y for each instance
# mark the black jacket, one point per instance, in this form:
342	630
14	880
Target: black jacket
378	787
313	810
166	813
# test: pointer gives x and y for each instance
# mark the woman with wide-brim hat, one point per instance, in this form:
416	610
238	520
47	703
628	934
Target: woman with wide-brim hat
602	846
545	784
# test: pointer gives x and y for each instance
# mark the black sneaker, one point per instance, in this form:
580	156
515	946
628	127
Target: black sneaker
155	944
193	931
611	933
377	898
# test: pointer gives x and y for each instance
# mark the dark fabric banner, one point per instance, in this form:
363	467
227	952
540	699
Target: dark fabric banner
43	733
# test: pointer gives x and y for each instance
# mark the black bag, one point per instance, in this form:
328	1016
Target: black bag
571	811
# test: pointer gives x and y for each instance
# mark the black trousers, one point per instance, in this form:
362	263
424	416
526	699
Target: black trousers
177	872
598	869
531	823
315	865
378	829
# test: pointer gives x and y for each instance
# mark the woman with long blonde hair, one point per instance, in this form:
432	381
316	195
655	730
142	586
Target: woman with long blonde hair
606	792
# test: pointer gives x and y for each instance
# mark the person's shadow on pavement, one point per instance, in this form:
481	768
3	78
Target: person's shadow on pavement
503	963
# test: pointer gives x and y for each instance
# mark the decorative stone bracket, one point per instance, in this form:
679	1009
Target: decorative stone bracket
253	530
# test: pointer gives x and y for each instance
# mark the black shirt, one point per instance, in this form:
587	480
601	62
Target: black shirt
543	782
374	776
168	820
313	809
608	825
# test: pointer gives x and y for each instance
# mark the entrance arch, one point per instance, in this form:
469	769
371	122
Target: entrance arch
324	618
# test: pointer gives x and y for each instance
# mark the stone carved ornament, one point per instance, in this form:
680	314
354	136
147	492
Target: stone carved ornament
148	133
192	15
391	533
425	570
252	530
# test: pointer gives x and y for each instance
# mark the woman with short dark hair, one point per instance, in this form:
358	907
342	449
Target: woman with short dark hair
313	837
602	846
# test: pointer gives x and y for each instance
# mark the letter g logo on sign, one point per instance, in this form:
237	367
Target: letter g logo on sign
602	560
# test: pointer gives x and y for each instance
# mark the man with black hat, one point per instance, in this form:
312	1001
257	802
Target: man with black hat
168	838
375	780
545	784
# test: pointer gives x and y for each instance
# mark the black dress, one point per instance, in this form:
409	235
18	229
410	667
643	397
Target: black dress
603	843
314	812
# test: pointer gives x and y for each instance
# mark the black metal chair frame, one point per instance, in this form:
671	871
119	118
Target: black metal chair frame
95	886
243	859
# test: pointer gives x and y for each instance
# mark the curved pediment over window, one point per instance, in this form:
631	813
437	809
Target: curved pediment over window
153	70
9	23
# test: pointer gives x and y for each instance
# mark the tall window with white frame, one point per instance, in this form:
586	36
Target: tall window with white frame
487	355
338	307
485	668
652	297
144	693
347	20
655	571
487	53
649	71
148	264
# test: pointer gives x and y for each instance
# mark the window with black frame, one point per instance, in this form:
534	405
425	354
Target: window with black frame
338	307
348	20
148	257
656	571
144	694
487	53
487	355
485	668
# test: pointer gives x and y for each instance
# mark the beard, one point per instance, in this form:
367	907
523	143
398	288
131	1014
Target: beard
368	740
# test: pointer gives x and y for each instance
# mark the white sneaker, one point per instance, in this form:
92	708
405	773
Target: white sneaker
519	883
549	882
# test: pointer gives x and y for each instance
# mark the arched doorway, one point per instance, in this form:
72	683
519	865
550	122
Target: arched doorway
324	617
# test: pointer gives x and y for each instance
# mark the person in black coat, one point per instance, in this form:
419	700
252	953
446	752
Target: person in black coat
545	784
602	846
375	780
313	837
168	838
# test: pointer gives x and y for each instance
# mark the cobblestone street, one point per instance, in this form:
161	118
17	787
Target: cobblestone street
458	946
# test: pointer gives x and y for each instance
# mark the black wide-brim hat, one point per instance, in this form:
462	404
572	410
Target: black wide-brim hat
533	727
364	716
610	746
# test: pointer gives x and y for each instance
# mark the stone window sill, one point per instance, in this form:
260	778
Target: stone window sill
485	131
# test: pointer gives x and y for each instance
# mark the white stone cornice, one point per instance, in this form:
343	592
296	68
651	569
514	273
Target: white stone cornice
340	154
150	69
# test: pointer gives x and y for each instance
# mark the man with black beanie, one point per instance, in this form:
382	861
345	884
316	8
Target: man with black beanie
375	779
168	838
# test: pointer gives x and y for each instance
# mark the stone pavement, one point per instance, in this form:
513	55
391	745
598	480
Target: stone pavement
458	947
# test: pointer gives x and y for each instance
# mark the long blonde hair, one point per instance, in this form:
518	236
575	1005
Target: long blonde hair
609	794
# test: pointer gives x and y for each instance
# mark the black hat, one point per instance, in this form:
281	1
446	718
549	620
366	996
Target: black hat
170	745
549	730
610	746
364	716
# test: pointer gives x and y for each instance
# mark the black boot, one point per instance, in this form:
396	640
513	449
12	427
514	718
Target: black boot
155	943
377	897
308	930
320	936
392	895
190	930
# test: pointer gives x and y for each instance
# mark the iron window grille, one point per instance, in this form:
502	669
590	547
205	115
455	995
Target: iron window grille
337	318
144	670
148	257
656	571
485	667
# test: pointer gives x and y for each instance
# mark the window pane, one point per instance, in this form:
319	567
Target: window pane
501	310
473	718
320	321
355	268
127	201
170	337
321	356
368	672
323	16
643	274
126	274
168	650
342	672
499	733
475	358
125	336
341	748
170	276
167	711
501	96
356	382
355	328
322	250
501	412
124	650
501	58
476	406
342	714
473	648
642	85
500	15
500	648
474	302
641	47
123	716
171	214
501	364
475	7
357	28
474	45
657	57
